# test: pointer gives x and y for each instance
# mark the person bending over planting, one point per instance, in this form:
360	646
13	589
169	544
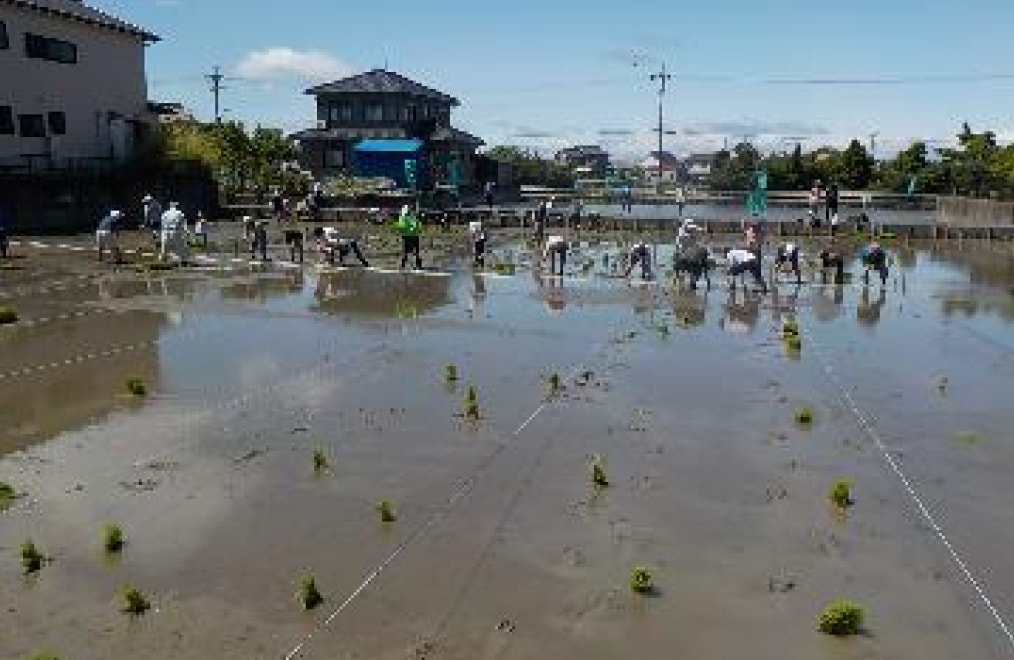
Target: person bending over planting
830	258
331	246
874	257
640	253
787	259
742	262
410	228
555	252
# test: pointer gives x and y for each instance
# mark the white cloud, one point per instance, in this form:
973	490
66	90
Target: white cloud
283	62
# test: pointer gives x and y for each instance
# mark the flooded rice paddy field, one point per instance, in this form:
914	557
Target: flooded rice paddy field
501	547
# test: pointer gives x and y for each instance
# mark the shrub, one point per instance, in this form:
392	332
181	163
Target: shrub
451	373
7	315
308	595
112	539
842	618
554	384
45	655
599	478
640	580
386	511
133	601
472	403
841	494
804	416
320	462
137	387
31	559
7	495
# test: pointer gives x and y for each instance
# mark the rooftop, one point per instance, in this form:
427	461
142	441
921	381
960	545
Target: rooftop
76	10
381	81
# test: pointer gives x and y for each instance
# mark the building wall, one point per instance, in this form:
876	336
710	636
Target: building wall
108	77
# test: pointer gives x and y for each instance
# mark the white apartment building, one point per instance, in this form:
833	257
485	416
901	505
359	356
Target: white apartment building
72	84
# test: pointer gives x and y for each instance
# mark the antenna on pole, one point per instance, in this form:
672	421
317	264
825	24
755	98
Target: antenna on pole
662	78
873	144
216	78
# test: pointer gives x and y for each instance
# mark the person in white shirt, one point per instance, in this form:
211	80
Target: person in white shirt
742	262
555	252
331	246
478	235
174	231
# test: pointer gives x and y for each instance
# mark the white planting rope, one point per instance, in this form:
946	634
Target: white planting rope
867	427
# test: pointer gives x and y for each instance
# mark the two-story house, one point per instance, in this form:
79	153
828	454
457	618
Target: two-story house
382	105
588	160
72	84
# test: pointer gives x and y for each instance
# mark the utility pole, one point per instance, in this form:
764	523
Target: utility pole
662	78
873	144
215	78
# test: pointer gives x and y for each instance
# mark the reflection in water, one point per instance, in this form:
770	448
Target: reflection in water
552	292
827	302
784	301
690	308
867	312
742	312
261	289
371	294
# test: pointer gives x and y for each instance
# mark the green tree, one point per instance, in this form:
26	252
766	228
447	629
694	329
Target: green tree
856	167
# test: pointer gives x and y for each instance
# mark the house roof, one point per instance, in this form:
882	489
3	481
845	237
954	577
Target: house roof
451	134
583	150
390	146
381	81
76	10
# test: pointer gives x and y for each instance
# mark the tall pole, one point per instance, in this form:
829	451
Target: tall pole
662	78
216	78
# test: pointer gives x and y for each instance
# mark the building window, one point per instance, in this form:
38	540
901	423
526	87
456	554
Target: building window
375	112
4	41
341	112
57	123
47	48
334	158
6	120
32	126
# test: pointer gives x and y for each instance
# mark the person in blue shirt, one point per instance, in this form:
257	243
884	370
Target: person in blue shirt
874	257
107	235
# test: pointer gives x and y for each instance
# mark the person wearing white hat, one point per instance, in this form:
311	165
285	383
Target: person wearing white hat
640	253
107	235
478	235
745	261
555	252
787	258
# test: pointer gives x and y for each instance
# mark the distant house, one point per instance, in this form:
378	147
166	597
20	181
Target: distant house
698	167
72	84
383	105
169	113
662	167
590	160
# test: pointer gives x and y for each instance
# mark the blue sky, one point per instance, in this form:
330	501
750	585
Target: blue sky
552	72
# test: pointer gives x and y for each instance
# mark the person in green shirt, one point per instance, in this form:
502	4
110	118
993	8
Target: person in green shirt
410	227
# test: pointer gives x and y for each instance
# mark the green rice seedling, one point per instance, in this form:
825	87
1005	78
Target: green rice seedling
554	384
841	494
790	329
662	328
968	437
793	343
137	387
7	495
133	601
842	618
472	403
320	462
451	373
386	511
599	478
7	315
31	559
45	655
112	539
308	595
804	416
641	581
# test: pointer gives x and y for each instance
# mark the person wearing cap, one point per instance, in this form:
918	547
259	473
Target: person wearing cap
874	257
555	252
174	230
787	258
640	253
331	244
260	240
107	235
152	211
745	261
410	228
477	232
